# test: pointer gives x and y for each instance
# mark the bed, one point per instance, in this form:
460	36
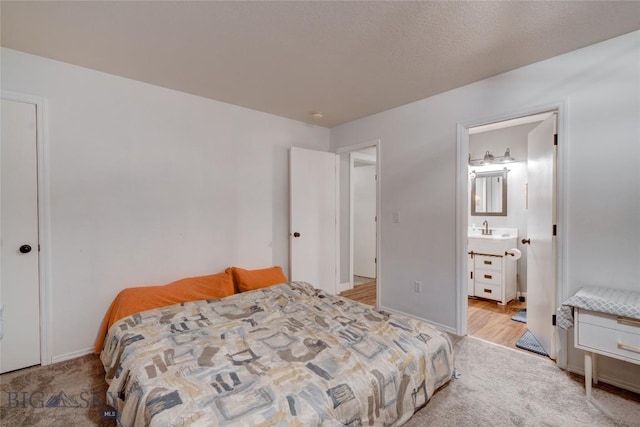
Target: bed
288	354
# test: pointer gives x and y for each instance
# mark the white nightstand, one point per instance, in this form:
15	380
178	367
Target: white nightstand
605	334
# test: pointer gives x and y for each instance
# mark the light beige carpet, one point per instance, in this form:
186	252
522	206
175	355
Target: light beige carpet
497	387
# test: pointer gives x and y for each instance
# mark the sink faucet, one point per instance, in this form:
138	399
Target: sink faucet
485	230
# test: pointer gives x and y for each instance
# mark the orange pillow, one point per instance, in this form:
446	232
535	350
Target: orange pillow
249	280
135	300
207	287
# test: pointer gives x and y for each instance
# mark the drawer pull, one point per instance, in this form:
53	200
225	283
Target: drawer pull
490	291
629	347
628	321
487	276
488	262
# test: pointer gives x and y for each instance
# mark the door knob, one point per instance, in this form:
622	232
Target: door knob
25	249
526	241
296	234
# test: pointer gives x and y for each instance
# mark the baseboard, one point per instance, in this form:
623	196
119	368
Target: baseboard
606	379
437	325
72	355
344	287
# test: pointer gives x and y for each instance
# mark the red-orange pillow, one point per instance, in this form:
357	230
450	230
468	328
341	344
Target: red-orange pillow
249	280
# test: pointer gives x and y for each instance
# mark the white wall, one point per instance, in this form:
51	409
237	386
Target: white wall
601	85
496	141
149	185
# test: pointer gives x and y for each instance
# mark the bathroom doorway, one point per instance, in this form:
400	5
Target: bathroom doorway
510	257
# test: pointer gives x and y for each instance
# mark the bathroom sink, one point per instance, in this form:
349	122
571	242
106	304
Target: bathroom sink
491	245
491	236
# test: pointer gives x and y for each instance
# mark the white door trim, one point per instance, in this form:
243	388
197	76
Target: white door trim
462	207
348	149
44	219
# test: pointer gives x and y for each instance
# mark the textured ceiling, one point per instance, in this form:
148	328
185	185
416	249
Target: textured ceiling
346	59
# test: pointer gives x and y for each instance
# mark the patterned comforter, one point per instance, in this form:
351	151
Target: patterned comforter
288	355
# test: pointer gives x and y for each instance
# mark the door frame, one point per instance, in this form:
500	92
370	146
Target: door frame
44	218
344	150
462	209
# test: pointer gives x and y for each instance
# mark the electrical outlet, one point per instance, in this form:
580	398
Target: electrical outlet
417	287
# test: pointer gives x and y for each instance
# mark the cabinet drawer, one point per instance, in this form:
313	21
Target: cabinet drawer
488	262
608	341
610	321
490	277
484	290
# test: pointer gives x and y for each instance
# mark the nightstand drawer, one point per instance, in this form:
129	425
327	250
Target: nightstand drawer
608	341
610	321
484	290
488	262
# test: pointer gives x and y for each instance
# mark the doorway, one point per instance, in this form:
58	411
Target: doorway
358	230
511	218
321	234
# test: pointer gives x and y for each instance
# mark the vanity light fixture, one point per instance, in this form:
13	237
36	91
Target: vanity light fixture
490	159
507	157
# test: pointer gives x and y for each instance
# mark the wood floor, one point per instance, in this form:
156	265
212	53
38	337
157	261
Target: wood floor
365	293
492	322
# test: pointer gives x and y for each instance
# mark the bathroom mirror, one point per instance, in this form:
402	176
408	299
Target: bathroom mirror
489	193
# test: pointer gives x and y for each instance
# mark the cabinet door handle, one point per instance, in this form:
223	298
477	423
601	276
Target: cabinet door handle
487	276
628	321
628	347
488	262
489	291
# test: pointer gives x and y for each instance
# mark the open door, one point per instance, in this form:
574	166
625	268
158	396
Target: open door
541	255
312	233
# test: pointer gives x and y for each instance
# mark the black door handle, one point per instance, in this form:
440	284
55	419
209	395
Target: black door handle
526	241
25	249
296	234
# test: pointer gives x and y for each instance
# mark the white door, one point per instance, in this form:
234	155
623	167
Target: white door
312	176
364	221
541	259
19	286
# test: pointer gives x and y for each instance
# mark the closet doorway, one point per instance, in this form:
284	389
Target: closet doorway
511	236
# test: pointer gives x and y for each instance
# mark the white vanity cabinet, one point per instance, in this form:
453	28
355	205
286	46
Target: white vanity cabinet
493	277
492	268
